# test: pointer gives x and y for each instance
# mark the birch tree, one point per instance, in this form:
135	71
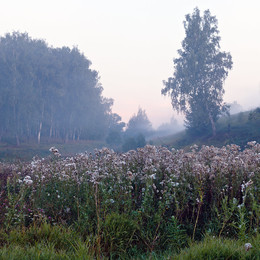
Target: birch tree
196	88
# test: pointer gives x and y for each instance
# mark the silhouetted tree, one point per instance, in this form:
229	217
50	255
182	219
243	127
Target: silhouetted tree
196	88
139	123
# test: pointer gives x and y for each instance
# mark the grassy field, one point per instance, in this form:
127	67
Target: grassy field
237	129
25	152
153	203
57	243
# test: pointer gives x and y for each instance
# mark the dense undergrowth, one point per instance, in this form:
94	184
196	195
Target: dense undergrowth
152	202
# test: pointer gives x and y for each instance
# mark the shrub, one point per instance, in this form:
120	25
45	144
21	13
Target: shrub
118	234
216	248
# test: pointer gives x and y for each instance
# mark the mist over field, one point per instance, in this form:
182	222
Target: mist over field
129	129
52	95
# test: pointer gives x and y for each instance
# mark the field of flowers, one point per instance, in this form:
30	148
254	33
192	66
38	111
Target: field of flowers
152	199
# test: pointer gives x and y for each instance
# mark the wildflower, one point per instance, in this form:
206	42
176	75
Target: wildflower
248	246
27	180
55	151
249	183
252	143
194	147
130	175
153	176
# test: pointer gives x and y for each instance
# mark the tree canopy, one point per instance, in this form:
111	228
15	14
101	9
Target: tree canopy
49	93
139	124
196	88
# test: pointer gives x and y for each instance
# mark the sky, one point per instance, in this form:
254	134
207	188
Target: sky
132	44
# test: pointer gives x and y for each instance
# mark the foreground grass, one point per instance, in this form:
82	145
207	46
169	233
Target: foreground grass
68	245
217	248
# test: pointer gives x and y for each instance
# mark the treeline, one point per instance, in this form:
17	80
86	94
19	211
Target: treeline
50	93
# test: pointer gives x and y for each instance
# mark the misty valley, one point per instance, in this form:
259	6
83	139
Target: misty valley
76	182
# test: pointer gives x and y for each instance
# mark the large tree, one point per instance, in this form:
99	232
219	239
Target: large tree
196	88
49	93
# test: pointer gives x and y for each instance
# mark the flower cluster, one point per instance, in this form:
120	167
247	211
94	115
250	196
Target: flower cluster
55	151
152	183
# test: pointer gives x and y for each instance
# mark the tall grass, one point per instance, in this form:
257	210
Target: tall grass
149	200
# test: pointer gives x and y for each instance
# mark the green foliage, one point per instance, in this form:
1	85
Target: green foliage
196	88
59	237
43	241
126	204
212	248
175	236
237	128
49	93
118	234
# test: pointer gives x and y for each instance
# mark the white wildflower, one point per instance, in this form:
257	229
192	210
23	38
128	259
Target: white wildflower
248	246
153	176
55	151
27	180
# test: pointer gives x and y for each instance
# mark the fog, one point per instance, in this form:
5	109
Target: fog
127	51
132	44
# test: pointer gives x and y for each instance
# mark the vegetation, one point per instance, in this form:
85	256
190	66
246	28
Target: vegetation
139	124
239	128
196	88
152	202
49	94
25	152
201	202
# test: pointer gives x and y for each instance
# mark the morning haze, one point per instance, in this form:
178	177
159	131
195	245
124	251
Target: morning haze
96	162
132	44
87	70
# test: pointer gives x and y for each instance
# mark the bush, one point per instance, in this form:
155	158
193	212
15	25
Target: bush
61	238
118	234
216	249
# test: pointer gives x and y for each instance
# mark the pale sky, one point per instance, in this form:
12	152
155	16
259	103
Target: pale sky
132	43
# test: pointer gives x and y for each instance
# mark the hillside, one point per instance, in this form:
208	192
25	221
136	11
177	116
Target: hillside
236	129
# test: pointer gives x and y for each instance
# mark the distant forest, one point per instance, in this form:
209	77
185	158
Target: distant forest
50	93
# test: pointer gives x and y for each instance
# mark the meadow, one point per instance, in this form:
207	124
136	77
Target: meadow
149	203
